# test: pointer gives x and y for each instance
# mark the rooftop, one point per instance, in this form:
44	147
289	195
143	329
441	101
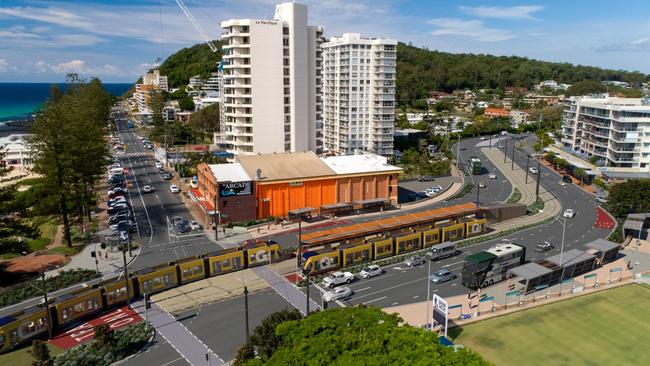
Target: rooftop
229	173
602	245
269	167
571	257
364	163
530	271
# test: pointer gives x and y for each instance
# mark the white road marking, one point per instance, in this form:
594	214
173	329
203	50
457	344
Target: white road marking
454	284
452	264
378	299
416	296
395	303
361	289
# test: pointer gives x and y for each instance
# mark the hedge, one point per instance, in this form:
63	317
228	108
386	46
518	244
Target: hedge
63	280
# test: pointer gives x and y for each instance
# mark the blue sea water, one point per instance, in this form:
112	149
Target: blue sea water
18	100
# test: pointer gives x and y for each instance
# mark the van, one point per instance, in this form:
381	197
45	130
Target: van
115	171
442	250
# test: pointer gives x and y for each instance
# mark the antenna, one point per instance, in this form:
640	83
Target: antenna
196	25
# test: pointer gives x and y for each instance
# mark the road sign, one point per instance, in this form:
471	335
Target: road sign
440	310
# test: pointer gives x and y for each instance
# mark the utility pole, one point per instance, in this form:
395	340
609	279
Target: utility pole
478	191
458	152
428	293
126	278
216	223
490	146
246	312
47	305
505	152
512	160
539	174
527	161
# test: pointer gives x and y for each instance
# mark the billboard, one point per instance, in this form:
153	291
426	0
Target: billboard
235	189
440	311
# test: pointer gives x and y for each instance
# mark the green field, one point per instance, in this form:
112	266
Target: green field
23	356
606	328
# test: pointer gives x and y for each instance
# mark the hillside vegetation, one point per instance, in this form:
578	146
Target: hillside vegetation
420	71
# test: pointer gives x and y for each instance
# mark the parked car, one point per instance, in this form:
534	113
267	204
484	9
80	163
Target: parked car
167	176
533	170
426	178
492	176
174	188
412	196
338	278
544	247
147	189
117	190
569	213
601	199
481	184
371	271
415	260
337	294
183	227
194	225
176	220
441	276
566	179
483	138
429	192
158	165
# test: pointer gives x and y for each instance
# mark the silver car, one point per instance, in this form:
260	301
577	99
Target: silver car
441	276
337	294
415	260
371	271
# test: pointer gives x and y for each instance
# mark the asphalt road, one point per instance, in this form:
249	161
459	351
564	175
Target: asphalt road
160	242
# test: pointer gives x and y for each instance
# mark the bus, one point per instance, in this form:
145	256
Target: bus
484	268
475	165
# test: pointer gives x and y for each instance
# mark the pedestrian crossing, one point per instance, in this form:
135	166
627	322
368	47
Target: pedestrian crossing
134	154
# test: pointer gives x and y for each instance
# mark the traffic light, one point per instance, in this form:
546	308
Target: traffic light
147	301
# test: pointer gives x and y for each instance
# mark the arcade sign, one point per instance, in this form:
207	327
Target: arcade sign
235	189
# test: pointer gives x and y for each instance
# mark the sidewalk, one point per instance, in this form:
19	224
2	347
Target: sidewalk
111	264
517	178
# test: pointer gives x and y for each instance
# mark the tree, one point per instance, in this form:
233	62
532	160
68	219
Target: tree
4	169
586	87
264	339
206	119
629	197
103	335
361	336
561	163
40	353
580	174
186	104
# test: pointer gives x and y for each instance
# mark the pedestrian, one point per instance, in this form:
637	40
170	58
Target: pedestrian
106	254
268	227
258	229
224	231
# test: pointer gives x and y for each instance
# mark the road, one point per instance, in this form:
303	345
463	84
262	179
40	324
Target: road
160	242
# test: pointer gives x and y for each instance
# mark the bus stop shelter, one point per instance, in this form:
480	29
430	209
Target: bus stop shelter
336	208
604	250
533	275
301	213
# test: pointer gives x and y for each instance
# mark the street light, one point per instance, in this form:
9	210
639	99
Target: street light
478	191
216	224
563	223
126	277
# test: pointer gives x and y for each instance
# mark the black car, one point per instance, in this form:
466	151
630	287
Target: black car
566	179
167	176
183	227
426	178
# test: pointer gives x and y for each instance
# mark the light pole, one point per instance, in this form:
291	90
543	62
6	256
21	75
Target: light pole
512	159
216	223
539	174
527	161
563	223
126	278
505	152
478	191
490	145
428	292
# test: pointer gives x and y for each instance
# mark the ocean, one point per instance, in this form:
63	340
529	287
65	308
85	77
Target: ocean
19	100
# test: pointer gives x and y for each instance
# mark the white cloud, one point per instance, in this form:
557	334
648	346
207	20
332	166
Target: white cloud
638	45
4	65
77	67
505	12
14	33
474	29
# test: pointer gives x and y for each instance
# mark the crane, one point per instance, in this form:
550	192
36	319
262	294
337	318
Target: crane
196	25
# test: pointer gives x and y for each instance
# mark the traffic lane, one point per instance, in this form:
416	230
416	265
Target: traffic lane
171	251
221	326
159	353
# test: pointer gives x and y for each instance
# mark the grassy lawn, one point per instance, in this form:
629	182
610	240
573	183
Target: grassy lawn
47	225
23	356
607	328
65	250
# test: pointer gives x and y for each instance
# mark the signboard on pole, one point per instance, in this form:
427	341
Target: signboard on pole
440	311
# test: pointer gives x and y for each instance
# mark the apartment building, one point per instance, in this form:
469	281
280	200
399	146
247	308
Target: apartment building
152	83
616	130
359	94
271	83
154	78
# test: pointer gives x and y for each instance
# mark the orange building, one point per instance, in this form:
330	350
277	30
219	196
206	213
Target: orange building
290	181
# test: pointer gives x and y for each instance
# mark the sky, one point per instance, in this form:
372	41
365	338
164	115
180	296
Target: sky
118	40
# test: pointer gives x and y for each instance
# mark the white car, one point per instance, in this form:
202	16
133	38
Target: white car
500	146
481	185
147	189
337	294
174	188
569	213
158	165
338	278
483	138
194	225
430	192
371	271
492	176
533	170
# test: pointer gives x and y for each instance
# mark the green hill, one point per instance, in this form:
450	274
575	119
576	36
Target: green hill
420	70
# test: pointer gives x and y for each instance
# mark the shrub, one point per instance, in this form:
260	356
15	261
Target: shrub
64	279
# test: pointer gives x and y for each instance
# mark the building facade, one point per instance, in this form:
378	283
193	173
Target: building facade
271	83
615	130
359	94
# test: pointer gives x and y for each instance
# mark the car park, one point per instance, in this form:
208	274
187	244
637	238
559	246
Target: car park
194	225
371	271
544	247
147	189
492	176
442	275
569	213
415	260
337	294
533	170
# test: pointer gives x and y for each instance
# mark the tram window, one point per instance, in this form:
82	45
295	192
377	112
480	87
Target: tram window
79	308
66	313
28	327
13	337
2	340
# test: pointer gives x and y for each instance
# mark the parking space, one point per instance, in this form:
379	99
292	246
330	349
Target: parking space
412	190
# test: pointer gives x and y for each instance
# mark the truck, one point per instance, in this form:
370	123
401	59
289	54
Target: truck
475	165
338	278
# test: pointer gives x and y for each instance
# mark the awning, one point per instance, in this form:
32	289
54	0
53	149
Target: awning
372	202
602	245
336	206
530	271
300	212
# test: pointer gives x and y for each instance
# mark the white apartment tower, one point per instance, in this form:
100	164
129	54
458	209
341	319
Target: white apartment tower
359	94
271	83
615	130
